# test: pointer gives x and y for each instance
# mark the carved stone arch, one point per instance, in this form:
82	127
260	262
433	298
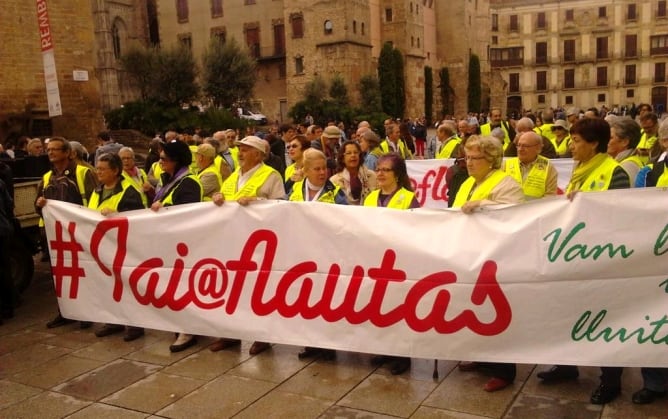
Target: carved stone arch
119	36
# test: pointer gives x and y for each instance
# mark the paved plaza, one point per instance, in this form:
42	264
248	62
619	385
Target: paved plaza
69	373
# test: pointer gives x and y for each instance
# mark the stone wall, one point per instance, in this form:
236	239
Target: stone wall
22	85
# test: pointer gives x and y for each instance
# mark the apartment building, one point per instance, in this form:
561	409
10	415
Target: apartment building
580	53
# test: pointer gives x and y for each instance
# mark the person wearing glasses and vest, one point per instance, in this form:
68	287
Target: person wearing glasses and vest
67	182
487	185
178	186
115	193
533	172
253	180
595	170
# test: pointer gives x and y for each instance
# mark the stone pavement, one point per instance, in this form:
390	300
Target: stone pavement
68	372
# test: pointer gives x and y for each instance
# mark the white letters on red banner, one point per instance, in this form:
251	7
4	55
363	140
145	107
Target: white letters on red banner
549	281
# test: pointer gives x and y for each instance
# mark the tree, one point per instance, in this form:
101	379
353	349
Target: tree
474	87
400	83
165	76
175	75
370	94
388	80
338	91
445	91
228	73
139	65
428	93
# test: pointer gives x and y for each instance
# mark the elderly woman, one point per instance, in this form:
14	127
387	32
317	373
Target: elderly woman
487	185
394	191
595	171
179	186
316	187
136	175
208	174
115	193
624	138
35	147
370	145
356	180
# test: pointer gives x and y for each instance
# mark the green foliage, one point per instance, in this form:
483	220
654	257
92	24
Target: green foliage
387	80
428	93
322	108
445	91
391	79
400	83
474	86
228	73
338	91
150	117
370	94
139	64
165	76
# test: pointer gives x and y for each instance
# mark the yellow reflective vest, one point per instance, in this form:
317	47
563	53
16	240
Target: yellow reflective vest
138	183
401	199
211	169
534	184
81	184
599	179
483	191
327	196
169	199
662	182
229	188
486	129
404	152
448	148
113	201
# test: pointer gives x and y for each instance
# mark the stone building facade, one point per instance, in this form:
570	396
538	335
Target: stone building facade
581	53
86	35
298	40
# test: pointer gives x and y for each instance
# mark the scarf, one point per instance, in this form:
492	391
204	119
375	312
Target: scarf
583	170
181	173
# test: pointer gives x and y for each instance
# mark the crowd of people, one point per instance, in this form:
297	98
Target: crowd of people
500	161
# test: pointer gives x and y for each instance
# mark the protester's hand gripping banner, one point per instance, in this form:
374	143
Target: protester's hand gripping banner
550	281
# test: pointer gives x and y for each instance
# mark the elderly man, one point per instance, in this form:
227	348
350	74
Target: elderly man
253	180
572	115
208	175
533	172
649	123
448	140
393	142
525	124
328	143
496	121
67	182
465	128
224	160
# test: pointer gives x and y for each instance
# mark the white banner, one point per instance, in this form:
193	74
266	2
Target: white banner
550	281
430	186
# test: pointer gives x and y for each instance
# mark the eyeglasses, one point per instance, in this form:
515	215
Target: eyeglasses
54	149
384	169
526	145
292	146
469	158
